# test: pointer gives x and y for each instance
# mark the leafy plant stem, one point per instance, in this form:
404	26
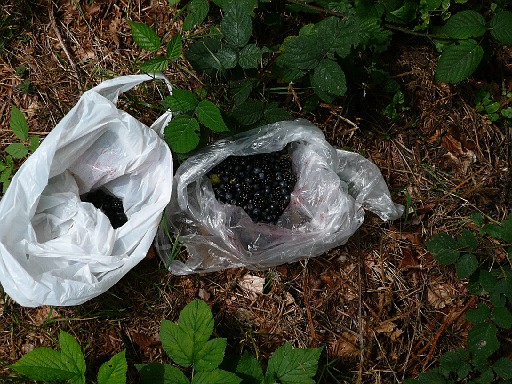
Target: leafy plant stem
317	8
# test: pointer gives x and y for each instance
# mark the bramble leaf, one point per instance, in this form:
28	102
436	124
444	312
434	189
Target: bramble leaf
18	124
72	356
444	248
479	314
181	100
236	25
197	10
249	369
289	365
144	36
161	373
466	265
17	150
182	134
155	65
174	47
211	355
482	340
301	52
217	376
33	143
328	78
114	370
249	112
44	364
503	368
501	27
209	114
250	56
502	317
432	377
464	24
458	62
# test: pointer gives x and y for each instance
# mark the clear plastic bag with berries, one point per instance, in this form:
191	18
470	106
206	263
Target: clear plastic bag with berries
85	206
231	212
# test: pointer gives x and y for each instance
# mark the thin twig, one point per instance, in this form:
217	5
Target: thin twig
63	44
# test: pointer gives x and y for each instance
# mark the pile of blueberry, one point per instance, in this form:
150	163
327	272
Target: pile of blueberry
110	205
261	184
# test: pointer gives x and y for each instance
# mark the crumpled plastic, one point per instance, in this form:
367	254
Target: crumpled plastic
333	189
56	249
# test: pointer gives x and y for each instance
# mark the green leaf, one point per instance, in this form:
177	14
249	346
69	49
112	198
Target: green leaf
144	36
236	25
328	77
482	340
209	114
174	48
432	377
273	113
196	320
114	370
503	368
458	62
451	361
249	112
158	64
211	355
197	10
18	124
203	55
250	56
290	365
301	52
240	91
477	218
501	27
182	134
338	35
72	356
33	143
502	317
161	373
467	241
479	314
499	231
444	248
466	265
249	369
17	150
226	57
217	376
464	24
181	100
43	364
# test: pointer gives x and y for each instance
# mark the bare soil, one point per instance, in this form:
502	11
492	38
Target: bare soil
381	305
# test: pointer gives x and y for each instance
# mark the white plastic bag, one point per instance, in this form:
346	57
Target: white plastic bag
326	206
56	249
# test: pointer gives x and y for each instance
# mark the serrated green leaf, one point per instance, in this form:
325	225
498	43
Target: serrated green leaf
160	373
250	56
196	320
458	62
144	36
432	377
273	113
466	265
181	100
451	361
467	241
226	58
479	314
240	91
406	12
249	112
339	35
211	355
179	348
487	280
209	114
502	317
203	55
43	364
503	368
182	134
464	370
444	248
174	47
464	24
33	143
477	218
236	25
301	52
114	370
197	10
72	356
501	27
217	376
17	150
499	231
155	65
249	369
482	340
290	366
328	77
18	124
371	34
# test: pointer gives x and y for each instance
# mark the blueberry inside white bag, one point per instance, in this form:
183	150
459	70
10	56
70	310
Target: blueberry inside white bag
56	246
326	207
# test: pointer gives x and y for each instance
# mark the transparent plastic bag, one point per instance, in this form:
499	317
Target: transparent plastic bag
56	249
326	206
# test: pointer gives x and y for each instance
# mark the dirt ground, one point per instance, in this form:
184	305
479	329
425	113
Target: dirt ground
381	305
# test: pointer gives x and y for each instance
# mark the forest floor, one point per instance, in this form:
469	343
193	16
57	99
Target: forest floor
382	307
